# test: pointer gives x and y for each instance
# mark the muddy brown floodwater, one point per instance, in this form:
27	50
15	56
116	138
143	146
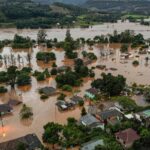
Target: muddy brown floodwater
106	28
46	111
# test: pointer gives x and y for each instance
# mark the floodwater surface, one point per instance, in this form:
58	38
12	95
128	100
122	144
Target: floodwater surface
106	28
46	111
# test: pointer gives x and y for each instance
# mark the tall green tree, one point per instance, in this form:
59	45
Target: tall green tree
112	85
51	133
12	75
41	36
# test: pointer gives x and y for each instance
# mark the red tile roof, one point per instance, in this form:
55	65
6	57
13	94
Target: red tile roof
128	136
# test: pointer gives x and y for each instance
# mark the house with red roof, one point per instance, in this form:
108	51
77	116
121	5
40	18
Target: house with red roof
127	137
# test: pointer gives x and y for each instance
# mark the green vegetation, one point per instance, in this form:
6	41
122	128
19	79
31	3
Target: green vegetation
127	103
61	97
67	88
41	76
124	48
28	14
135	63
23	79
109	84
43	97
26	112
83	112
127	37
72	134
3	89
21	42
68	78
45	56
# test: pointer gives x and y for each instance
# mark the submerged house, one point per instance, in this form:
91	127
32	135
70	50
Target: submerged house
92	144
76	99
91	93
111	116
63	105
14	102
30	142
127	137
49	91
5	109
90	121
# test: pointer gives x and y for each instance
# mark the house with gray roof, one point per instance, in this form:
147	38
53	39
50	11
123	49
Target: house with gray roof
92	144
111	116
76	99
30	142
49	91
5	109
90	121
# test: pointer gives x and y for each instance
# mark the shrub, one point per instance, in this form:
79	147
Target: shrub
3	89
43	96
61	97
45	56
54	71
23	79
26	112
67	88
26	69
81	103
135	63
124	48
40	77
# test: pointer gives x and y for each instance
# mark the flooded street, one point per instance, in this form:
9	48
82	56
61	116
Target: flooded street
46	111
106	28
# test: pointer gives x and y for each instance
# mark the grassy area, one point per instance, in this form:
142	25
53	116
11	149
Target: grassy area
134	16
7	25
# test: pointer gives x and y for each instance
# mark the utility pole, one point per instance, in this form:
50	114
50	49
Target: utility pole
1	119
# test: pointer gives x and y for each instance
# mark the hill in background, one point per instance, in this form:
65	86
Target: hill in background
76	2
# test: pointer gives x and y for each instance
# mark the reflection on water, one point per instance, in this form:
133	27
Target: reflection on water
46	111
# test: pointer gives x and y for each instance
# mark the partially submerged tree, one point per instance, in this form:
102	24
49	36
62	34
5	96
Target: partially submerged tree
26	112
51	133
12	75
41	36
109	84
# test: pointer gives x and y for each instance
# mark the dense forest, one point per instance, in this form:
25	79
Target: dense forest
76	2
120	6
32	14
28	14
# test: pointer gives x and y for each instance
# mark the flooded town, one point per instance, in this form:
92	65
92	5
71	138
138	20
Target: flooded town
46	110
66	88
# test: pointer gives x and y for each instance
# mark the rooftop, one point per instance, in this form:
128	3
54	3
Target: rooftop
76	99
145	113
128	136
31	142
89	120
13	102
48	90
92	144
5	108
110	113
92	91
